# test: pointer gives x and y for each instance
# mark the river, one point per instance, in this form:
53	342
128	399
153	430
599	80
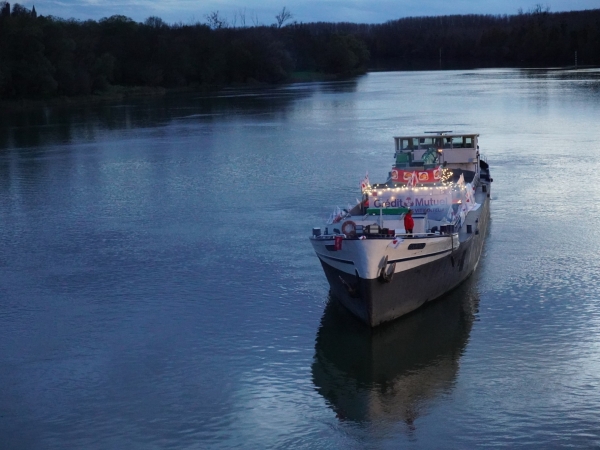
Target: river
158	289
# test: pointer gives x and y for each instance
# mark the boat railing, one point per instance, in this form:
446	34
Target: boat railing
390	237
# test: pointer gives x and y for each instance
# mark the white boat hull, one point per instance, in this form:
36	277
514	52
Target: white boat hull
414	277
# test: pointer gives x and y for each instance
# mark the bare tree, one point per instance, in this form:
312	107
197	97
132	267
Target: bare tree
215	21
242	14
284	15
540	9
155	22
255	21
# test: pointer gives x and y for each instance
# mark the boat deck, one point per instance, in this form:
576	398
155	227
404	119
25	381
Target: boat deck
470	226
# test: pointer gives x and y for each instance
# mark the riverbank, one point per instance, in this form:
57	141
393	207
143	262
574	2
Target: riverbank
114	93
117	93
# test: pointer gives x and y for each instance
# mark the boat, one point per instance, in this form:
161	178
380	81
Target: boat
378	269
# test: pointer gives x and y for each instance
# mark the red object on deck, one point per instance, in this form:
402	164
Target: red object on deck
409	223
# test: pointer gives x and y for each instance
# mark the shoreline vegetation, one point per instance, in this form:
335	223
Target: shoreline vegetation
117	93
45	60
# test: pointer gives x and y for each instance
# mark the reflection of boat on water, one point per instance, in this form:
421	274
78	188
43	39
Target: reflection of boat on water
393	372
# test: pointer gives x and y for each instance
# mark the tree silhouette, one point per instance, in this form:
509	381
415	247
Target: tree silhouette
46	56
283	16
215	21
4	9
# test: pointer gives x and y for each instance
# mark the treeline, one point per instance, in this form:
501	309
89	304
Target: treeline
48	56
534	38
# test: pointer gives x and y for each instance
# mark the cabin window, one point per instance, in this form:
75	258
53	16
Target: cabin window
468	141
407	144
416	246
425	143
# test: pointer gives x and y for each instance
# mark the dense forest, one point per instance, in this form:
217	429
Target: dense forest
45	56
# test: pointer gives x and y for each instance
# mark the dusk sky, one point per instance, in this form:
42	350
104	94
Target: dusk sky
263	11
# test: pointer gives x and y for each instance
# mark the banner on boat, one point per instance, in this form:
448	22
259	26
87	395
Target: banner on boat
435	203
422	176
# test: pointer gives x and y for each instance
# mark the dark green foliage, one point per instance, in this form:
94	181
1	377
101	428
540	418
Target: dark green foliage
48	56
256	54
537	38
19	10
345	54
4	9
26	71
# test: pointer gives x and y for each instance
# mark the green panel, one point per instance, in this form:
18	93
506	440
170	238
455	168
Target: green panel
402	158
387	211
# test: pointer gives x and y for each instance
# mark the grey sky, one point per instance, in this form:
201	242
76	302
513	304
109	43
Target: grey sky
264	11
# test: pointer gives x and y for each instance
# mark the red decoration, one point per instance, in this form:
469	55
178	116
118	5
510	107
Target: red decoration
423	176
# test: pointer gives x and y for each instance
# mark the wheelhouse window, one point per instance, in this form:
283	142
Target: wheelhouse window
425	143
407	144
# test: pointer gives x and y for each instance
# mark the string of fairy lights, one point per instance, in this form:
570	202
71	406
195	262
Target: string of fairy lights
444	185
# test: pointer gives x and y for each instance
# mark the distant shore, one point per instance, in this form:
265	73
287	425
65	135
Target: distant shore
116	93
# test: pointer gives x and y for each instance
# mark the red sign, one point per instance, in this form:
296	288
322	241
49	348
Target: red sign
337	242
423	176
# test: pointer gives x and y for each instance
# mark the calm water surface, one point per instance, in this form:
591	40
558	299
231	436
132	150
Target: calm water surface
158	290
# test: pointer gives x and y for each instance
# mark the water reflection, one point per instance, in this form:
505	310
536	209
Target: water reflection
60	124
392	373
346	86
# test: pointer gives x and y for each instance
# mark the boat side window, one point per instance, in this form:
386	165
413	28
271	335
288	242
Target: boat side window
416	246
425	143
468	142
407	144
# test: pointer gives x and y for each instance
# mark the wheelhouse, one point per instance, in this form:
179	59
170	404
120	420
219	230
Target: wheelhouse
452	151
